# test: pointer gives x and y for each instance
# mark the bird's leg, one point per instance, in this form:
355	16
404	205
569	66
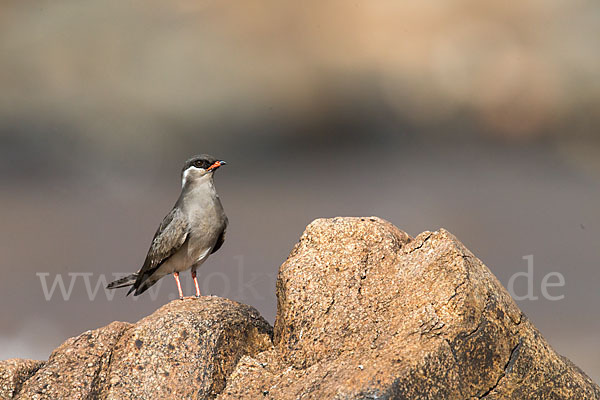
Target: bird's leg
176	275
196	283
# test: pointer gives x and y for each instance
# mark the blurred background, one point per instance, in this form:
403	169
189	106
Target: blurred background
479	117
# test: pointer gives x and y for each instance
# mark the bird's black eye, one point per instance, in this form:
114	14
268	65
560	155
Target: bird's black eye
199	164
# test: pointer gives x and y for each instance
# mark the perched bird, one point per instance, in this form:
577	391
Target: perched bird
192	231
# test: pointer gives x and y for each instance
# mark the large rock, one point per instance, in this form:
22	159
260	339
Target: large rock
366	312
186	349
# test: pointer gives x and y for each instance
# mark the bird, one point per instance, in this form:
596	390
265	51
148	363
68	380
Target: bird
192	231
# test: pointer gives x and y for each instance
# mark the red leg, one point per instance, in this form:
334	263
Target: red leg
196	283
176	275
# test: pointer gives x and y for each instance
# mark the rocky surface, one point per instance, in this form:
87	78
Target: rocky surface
364	312
186	349
13	373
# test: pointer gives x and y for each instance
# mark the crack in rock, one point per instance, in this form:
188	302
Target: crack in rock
514	354
422	243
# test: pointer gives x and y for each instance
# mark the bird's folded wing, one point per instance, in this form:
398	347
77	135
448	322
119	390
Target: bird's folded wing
170	236
221	238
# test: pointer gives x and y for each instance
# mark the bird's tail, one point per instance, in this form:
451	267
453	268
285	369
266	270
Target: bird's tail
123	282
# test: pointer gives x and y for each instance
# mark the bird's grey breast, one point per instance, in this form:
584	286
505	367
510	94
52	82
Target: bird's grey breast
206	217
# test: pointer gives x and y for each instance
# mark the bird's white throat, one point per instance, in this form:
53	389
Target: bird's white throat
196	176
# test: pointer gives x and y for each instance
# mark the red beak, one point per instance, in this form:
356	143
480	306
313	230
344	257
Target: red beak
216	165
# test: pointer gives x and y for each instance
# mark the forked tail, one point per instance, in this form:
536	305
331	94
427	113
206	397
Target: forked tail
123	282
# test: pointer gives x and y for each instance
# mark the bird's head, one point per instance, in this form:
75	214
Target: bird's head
197	167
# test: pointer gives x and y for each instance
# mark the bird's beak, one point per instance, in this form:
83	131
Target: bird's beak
216	165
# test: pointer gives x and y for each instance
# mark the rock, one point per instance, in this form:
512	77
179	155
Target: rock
73	369
366	312
13	373
186	349
363	312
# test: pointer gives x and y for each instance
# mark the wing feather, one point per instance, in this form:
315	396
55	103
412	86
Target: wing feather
169	237
221	238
